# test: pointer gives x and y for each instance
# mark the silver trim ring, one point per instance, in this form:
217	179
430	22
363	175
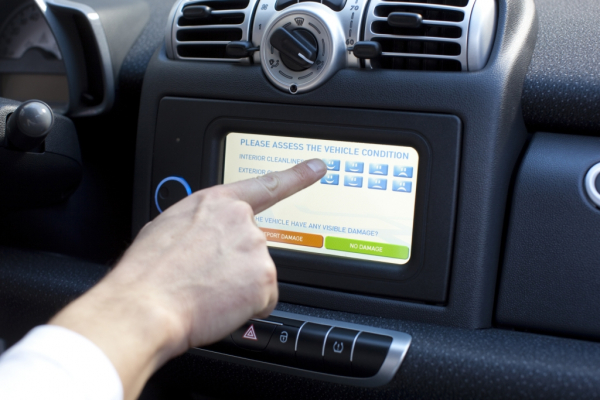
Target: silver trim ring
590	184
482	32
325	26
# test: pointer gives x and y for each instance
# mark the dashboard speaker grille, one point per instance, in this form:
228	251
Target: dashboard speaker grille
435	38
202	29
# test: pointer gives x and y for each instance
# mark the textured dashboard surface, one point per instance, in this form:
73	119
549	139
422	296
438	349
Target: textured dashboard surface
35	285
549	279
562	87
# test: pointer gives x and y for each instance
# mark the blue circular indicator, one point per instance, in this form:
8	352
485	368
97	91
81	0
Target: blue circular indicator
183	182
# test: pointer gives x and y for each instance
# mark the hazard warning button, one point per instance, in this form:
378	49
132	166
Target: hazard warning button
253	335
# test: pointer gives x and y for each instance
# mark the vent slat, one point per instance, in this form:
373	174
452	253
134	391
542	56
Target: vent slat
416	55
439	3
218	5
425	22
205	42
412	63
201	27
442	48
213	19
433	14
425	30
215	34
202	51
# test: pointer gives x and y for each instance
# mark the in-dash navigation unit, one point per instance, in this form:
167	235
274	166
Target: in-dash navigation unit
363	208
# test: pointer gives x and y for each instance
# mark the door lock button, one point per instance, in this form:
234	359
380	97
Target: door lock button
338	349
282	347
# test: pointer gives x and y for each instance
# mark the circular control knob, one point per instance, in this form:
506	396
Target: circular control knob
29	125
298	47
169	191
302	47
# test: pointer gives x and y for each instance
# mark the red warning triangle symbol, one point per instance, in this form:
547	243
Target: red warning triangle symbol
250	334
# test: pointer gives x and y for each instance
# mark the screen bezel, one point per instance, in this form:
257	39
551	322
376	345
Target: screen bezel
187	145
327	270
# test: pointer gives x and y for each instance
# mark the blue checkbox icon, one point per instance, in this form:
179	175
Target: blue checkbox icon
402	186
403	172
332	165
378	169
355	167
330	179
353	181
377	183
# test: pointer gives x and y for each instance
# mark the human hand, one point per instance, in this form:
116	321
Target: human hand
193	275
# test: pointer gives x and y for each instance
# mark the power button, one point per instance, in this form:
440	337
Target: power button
169	191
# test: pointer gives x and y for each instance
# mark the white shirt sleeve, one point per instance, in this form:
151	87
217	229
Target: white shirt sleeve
52	362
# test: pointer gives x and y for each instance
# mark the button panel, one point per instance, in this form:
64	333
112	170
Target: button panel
313	347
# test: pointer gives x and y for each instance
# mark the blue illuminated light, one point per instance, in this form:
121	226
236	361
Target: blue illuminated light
183	182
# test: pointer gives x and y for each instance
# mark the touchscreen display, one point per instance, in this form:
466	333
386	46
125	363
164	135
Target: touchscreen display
363	208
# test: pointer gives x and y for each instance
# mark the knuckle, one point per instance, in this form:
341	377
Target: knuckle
240	210
261	280
270	182
212	194
270	273
302	171
258	237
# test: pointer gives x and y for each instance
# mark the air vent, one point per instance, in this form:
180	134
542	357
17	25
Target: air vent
432	35
201	29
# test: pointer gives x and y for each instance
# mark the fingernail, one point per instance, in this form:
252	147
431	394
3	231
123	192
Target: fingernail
317	165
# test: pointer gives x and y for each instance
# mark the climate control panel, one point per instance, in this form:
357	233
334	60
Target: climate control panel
318	348
305	43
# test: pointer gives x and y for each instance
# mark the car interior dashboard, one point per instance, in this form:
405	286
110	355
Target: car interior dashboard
450	251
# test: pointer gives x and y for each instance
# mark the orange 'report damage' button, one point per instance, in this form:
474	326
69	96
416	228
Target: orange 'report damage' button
298	238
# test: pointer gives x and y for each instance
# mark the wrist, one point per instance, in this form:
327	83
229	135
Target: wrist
131	325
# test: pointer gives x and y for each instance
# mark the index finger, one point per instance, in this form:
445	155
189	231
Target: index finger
264	191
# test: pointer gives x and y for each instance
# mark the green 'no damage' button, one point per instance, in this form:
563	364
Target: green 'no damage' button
364	247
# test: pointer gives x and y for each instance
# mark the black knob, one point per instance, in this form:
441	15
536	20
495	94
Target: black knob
405	20
197	12
298	48
29	125
367	50
240	49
